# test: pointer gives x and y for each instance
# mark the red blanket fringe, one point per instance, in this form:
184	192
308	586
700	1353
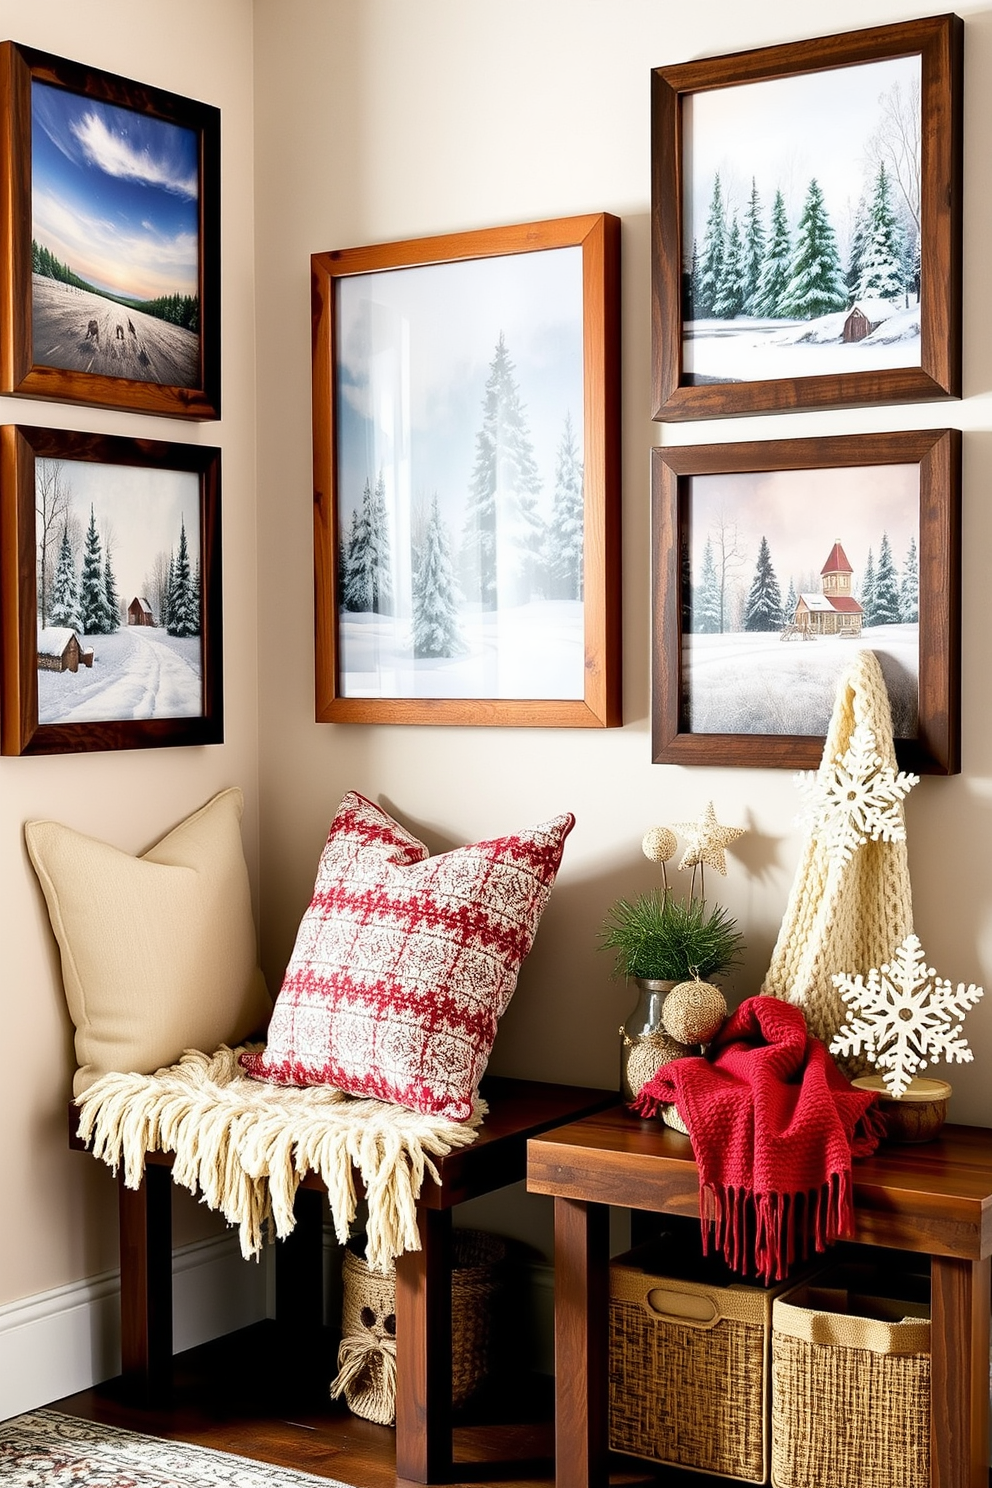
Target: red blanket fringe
774	1126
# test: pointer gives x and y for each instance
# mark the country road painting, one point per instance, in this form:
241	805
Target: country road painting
115	197
119	592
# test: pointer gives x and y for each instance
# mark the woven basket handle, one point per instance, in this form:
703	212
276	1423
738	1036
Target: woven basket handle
691	1308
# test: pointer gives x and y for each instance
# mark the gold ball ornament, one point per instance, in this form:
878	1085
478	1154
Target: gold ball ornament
693	1012
659	844
647	1055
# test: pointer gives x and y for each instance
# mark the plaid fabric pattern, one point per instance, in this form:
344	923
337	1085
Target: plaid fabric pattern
404	963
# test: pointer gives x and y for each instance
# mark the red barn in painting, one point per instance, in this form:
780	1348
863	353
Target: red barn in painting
139	612
835	611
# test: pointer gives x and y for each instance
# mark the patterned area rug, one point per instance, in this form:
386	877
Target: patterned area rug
44	1449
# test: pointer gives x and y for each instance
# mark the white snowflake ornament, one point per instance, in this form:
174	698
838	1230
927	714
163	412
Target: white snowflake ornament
858	797
904	1016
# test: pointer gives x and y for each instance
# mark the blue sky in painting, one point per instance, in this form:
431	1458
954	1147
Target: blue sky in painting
115	194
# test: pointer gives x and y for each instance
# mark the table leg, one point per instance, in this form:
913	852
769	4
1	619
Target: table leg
581	1343
959	1378
423	1352
145	1219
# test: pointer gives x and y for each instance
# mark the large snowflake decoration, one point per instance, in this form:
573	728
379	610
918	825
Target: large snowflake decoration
858	797
904	1015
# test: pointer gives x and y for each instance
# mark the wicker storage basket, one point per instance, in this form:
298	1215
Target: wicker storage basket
367	1355
851	1382
689	1363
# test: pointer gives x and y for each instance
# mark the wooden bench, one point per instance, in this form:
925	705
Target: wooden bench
518	1110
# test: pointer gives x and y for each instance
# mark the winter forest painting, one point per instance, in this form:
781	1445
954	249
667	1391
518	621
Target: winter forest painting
785	573
115	240
119	594
459	471
801	237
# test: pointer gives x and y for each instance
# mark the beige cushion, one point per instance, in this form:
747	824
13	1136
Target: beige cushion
159	952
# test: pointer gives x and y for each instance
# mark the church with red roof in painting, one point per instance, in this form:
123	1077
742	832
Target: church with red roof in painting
835	611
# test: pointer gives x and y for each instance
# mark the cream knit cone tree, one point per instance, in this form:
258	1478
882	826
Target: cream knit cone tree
844	916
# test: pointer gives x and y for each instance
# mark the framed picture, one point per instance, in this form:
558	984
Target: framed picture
773	562
110	593
466	440
110	290
806	224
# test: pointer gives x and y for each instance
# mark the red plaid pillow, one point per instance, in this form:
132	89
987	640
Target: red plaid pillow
404	963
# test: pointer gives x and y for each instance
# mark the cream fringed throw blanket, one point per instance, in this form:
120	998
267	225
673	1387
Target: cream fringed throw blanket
844	916
244	1145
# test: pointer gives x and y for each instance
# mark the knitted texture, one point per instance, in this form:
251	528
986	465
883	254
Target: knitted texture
774	1126
245	1145
404	963
844	916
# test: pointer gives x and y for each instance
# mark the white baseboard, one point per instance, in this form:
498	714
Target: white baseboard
68	1339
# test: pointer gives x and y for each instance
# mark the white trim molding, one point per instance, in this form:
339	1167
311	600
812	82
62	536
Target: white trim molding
67	1339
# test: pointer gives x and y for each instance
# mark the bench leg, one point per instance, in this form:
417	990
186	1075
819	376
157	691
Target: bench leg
300	1266
423	1353
299	1261
145	1216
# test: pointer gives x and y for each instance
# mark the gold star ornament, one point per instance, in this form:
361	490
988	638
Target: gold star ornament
706	840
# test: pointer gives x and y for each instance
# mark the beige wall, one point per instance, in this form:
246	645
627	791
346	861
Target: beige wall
405	120
59	1216
379	119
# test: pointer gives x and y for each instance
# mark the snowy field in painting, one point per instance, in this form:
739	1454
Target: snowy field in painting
535	650
749	350
139	672
756	683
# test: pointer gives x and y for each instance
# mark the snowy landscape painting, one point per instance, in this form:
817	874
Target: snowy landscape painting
801	236
459	479
115	206
119	592
786	573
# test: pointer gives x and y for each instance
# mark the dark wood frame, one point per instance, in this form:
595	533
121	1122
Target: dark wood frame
939	42
19	373
936	748
599	238
20	731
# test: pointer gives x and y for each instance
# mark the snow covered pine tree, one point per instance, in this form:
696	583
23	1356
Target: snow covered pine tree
763	610
435	614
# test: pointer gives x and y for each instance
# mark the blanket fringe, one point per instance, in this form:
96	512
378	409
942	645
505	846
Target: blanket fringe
774	1230
244	1145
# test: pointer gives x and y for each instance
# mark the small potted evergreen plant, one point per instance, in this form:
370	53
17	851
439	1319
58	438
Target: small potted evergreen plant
661	941
659	938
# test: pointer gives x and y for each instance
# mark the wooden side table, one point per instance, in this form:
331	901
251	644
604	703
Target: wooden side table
518	1110
935	1198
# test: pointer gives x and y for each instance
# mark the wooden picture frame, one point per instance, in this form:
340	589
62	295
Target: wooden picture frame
703	116
110	290
448	302
85	519
787	491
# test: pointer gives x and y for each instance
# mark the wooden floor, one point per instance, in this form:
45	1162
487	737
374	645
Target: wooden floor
251	1394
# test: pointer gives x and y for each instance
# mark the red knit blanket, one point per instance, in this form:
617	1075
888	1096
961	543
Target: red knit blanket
774	1126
